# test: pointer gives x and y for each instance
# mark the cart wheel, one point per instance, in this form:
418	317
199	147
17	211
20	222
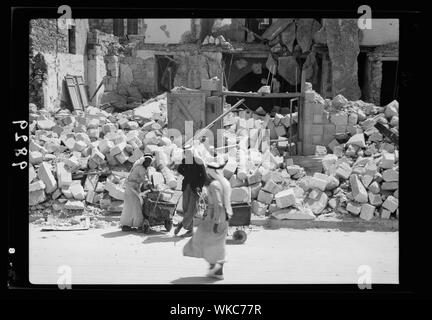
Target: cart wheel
239	236
146	226
168	225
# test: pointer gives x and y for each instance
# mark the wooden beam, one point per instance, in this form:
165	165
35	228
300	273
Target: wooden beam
261	95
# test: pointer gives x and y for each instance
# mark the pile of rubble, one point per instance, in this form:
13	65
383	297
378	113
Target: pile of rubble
360	178
78	158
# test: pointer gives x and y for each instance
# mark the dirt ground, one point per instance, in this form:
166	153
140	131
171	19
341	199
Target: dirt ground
277	256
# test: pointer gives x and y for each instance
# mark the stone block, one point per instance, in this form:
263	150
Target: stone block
390	185
64	177
332	183
294	214
265	197
374	199
259	208
387	161
72	163
332	203
32	173
136	154
97	156
37	185
343	171
352	118
157	178
358	190
44	173
83	137
354	208
118	148
384	213
79	146
74	205
254	178
272	187
105	146
317	205
390	175
94	133
366	180
333	144
67	193
235	182
314	194
285	198
242	194
123	123
90	197
392	109
35	157
77	190
56	194
109	127
391	204
319	181
122	157
367	211
358	140
114	190
36	197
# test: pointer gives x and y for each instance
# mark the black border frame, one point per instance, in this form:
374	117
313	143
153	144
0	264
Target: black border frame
413	282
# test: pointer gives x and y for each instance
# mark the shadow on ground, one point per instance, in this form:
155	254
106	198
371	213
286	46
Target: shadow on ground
120	233
194	280
163	238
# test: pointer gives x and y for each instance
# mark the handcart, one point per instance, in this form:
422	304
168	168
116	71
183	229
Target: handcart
240	219
157	211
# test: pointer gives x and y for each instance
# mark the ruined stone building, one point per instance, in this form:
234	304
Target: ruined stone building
138	58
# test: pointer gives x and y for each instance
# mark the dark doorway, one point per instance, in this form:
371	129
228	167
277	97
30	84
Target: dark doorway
389	85
167	68
118	27
252	82
72	39
362	77
132	26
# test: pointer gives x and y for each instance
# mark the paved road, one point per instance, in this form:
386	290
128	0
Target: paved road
281	256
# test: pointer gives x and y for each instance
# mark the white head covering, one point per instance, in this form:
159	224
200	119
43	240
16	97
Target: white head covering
141	160
217	174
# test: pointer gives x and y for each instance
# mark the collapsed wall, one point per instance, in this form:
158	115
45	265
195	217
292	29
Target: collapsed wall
53	55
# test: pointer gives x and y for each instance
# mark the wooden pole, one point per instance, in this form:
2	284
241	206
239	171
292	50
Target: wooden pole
97	89
200	133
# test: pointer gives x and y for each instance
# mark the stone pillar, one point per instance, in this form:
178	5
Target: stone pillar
375	78
326	76
343	45
96	71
